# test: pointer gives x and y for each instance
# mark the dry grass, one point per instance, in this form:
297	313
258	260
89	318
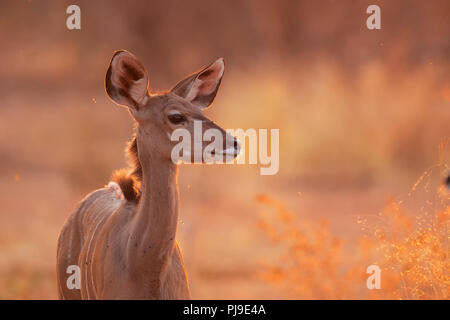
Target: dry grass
411	248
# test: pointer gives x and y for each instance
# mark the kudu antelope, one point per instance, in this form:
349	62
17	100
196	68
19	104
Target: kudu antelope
122	237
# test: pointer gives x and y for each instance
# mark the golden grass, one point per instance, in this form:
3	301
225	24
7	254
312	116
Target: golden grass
411	248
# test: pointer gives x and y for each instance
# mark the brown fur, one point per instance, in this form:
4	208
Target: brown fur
130	179
127	184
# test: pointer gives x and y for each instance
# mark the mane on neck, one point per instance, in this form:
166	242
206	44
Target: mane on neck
130	179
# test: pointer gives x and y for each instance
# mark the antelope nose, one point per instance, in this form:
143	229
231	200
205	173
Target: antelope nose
237	146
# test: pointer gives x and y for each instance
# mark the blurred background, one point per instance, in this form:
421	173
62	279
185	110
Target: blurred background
364	128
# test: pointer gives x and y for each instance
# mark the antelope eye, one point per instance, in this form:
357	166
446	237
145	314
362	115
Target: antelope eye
176	118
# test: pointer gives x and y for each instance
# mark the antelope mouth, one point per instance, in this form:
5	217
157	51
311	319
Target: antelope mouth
227	152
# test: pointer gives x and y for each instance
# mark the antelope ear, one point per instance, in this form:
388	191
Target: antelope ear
126	80
201	87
